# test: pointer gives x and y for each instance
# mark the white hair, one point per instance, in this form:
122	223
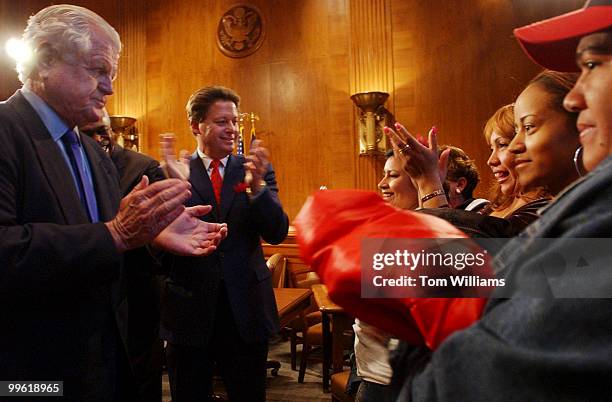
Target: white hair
67	29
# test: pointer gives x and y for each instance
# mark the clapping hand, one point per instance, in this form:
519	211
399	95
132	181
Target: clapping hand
187	235
173	167
256	165
421	161
146	211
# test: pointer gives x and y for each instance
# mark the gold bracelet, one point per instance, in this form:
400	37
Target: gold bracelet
432	195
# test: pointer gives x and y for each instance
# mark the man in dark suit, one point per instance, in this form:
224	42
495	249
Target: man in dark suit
63	229
143	282
130	165
221	308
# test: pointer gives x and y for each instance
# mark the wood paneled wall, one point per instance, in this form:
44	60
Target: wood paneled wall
447	63
456	62
297	83
130	98
370	69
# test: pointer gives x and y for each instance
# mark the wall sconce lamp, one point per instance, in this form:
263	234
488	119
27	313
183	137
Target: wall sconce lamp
125	131
372	119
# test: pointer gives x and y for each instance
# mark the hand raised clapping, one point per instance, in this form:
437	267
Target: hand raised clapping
421	161
177	168
188	235
256	165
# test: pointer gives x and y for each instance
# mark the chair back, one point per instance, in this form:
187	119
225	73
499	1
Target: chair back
277	264
302	277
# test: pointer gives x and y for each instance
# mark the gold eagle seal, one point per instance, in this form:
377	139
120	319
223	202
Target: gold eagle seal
240	31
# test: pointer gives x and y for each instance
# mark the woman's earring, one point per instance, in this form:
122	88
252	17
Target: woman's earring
578	162
458	190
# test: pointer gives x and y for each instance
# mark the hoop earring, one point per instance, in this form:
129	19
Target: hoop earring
578	162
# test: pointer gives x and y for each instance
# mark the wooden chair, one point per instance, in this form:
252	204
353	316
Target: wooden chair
335	334
303	277
277	264
338	387
313	337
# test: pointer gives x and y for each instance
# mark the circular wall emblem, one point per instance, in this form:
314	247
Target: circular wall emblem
240	31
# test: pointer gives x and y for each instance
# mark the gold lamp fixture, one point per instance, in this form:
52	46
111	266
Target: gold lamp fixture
125	131
371	121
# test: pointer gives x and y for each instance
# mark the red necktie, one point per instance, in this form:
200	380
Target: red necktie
216	179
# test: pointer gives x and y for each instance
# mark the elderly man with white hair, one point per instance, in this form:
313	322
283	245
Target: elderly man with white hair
63	225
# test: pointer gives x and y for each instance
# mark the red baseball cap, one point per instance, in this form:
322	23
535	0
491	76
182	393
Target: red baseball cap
552	43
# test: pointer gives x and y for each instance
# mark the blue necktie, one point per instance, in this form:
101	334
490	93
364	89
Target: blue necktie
84	186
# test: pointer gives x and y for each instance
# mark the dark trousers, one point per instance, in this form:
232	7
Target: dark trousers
145	347
373	392
241	365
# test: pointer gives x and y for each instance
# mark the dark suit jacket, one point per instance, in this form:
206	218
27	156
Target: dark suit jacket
143	286
543	348
191	291
131	166
62	310
475	224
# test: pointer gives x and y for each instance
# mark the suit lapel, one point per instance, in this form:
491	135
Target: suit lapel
234	174
201	184
105	180
118	158
52	163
